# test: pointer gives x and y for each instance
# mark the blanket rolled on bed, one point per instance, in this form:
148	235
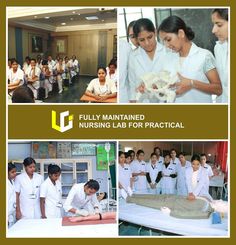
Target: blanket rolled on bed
180	207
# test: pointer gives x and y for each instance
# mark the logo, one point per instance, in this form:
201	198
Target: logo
62	128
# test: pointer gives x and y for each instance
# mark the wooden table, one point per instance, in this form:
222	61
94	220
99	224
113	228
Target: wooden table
91	99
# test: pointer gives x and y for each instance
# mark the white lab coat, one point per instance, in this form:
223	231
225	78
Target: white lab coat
153	171
181	179
34	86
15	76
195	66
140	182
124	53
74	67
168	183
221	55
112	77
29	195
79	200
140	64
201	188
108	88
125	175
11	203
53	198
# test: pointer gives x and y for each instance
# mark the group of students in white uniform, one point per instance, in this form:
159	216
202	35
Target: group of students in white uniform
29	197
200	74
164	175
40	74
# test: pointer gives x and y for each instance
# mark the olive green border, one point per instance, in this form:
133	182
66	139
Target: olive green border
3	4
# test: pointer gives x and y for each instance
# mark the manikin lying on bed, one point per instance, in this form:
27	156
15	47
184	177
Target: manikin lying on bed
100	216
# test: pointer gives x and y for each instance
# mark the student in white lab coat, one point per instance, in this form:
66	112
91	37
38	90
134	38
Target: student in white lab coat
15	77
51	194
181	175
197	180
60	70
101	88
82	199
74	66
11	194
153	175
51	62
32	76
26	64
138	168
127	158
168	181
47	75
174	159
199	79
220	29
132	155
125	177
160	159
203	159
112	71
27	186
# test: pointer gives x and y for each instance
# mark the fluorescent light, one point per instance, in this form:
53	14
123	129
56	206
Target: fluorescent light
73	12
47	17
63	24
35	16
91	18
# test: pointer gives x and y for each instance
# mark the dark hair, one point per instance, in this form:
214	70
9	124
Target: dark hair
103	68
11	166
127	154
27	58
53	169
173	24
92	184
112	62
105	195
140	152
167	154
28	161
44	62
33	60
153	154
131	151
182	153
14	61
157	148
195	157
143	24
23	94
131	24
223	13
173	149
121	153
203	155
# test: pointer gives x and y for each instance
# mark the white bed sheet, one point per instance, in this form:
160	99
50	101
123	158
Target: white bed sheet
155	219
53	228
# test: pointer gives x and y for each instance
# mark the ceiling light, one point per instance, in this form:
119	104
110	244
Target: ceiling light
35	16
63	24
91	18
71	18
103	20
78	14
47	17
73	12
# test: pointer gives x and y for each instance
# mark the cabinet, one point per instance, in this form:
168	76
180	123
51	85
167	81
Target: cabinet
72	170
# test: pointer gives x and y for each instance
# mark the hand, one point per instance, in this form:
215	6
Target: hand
191	197
141	88
82	212
97	97
75	219
18	215
183	86
43	217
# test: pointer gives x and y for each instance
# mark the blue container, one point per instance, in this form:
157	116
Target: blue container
216	219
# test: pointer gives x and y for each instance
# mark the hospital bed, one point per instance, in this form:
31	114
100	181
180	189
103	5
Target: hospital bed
155	220
53	228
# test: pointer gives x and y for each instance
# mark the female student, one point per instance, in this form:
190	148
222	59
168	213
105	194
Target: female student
150	56
33	75
196	67
174	159
15	77
197	180
168	176
51	194
125	177
27	186
181	175
60	70
112	71
47	75
138	168
81	197
74	66
130	33
153	174
11	194
101	88
220	29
